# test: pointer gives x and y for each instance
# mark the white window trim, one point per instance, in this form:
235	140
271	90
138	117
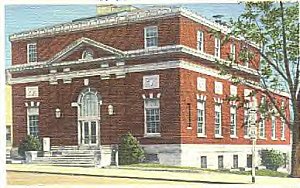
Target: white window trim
246	122
218	84
282	129
201	82
263	121
203	134
273	119
232	51
30	114
217	44
220	131
235	123
145	37
34	43
145	121
199	32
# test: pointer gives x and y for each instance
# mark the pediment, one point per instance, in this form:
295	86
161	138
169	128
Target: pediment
83	48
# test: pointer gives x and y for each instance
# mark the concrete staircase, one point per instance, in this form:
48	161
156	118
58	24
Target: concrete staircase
70	156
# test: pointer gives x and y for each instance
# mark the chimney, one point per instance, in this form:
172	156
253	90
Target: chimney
105	9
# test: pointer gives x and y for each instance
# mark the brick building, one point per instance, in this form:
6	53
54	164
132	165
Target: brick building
150	72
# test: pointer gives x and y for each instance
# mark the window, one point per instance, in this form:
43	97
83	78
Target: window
273	120
152	111
249	160
190	115
218	120
282	130
201	84
233	121
151	36
285	160
233	90
219	88
89	105
217	47
262	127
200	40
31	53
235	161
220	162
203	162
33	121
246	122
88	54
232	51
201	118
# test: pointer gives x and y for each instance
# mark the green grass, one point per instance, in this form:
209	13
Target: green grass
262	172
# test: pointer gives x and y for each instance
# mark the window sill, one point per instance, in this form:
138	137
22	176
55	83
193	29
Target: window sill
151	47
153	135
233	136
201	135
219	136
274	139
283	139
189	128
262	138
247	137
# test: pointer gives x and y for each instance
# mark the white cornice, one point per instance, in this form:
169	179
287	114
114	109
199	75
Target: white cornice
132	54
113	20
130	69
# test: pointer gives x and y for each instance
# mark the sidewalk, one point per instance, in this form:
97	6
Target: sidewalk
152	174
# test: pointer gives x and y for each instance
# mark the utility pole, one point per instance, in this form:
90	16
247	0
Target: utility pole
253	131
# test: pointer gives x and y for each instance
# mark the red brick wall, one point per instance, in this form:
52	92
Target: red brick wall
124	94
124	37
188	92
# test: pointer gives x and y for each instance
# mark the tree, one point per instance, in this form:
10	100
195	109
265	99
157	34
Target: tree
273	27
130	151
271	159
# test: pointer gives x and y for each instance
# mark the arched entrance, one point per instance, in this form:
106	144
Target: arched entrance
88	117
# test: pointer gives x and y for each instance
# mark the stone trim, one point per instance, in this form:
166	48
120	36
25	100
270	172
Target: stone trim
201	97
218	100
32	104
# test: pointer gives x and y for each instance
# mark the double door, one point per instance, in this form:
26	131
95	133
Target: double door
88	132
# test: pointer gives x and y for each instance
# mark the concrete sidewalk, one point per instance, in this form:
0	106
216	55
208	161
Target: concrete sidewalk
144	174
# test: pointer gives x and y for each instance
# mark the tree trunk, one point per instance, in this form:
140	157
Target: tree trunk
295	170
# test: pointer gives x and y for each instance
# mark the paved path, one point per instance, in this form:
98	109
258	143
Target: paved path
205	177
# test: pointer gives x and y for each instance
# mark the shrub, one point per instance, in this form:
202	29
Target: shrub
272	159
30	143
130	151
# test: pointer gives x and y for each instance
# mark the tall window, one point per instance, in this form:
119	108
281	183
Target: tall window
220	162
217	47
233	121
246	121
33	121
273	121
282	130
203	162
31	53
218	120
151	36
232	51
152	111
262	127
200	40
201	118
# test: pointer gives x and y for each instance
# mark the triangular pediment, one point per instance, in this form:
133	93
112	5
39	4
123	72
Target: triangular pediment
76	48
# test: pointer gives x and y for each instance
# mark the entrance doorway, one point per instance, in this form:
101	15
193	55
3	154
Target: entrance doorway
88	132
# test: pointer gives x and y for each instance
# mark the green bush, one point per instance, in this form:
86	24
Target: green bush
30	143
130	151
272	159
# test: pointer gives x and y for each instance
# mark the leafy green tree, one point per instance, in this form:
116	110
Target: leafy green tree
273	27
130	151
30	143
272	159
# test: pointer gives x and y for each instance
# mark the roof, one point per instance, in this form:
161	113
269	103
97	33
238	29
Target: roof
117	19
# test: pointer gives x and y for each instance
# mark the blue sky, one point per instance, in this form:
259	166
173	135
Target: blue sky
24	17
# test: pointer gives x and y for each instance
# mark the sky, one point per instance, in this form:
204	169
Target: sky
25	17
